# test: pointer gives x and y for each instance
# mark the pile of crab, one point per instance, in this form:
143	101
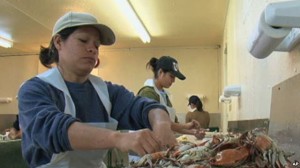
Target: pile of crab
252	149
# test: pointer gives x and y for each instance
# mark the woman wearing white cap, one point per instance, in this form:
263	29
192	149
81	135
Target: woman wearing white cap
68	116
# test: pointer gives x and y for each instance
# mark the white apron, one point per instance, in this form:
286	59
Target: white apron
77	158
162	100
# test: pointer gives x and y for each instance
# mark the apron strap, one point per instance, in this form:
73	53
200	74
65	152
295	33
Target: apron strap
101	88
163	101
54	78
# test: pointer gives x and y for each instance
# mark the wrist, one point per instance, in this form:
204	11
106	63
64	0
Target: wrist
115	138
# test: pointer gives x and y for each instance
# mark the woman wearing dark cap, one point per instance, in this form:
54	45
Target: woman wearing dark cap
197	113
165	71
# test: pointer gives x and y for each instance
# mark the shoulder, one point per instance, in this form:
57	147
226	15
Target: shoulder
34	83
189	113
117	90
113	86
35	87
206	112
146	90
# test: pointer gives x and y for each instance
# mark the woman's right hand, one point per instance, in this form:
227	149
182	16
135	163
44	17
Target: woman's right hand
141	142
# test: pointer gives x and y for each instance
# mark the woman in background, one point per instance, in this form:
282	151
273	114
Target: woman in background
197	113
13	132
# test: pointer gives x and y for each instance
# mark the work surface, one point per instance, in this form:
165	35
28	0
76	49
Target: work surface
10	154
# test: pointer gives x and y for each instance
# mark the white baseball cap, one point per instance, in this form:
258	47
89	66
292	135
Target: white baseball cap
73	19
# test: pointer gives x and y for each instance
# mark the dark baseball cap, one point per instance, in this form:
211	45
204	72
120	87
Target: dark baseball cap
170	64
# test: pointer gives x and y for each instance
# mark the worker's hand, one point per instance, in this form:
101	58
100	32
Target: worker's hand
192	125
140	142
161	126
200	133
165	135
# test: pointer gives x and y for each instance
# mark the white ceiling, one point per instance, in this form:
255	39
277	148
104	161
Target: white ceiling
171	23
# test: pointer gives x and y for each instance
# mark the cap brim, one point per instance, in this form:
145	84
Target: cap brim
178	75
107	36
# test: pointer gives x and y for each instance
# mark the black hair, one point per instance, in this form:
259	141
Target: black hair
152	64
49	55
16	123
196	100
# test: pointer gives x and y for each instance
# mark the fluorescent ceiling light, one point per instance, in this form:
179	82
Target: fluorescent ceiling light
127	9
5	43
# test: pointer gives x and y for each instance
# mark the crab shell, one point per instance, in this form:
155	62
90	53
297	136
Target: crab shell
263	142
231	157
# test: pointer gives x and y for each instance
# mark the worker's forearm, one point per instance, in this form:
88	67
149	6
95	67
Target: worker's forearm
98	138
158	118
181	128
161	126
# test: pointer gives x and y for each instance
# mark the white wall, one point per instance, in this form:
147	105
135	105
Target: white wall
14	71
256	76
